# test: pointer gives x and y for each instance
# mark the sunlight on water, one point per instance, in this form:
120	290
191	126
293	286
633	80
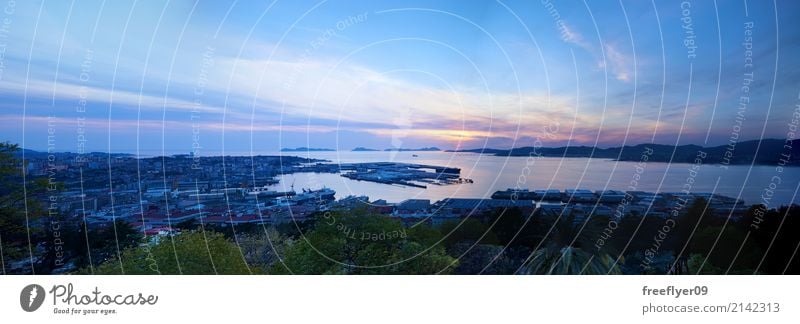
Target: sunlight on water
492	173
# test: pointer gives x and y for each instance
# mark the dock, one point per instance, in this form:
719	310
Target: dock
393	173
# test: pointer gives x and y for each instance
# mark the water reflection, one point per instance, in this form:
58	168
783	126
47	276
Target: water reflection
492	173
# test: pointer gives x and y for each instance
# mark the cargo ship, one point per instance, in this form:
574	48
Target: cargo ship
517	194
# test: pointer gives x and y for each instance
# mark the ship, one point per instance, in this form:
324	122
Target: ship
263	192
321	195
516	194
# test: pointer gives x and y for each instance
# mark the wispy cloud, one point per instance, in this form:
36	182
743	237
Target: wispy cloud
38	88
615	60
619	62
569	35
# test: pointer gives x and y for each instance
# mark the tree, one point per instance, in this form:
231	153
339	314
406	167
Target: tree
312	255
487	259
775	233
104	243
696	218
17	209
567	252
265	249
637	263
193	252
188	224
570	261
468	230
511	228
362	243
411	258
696	266
726	253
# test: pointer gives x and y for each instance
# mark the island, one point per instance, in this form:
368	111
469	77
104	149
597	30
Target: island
423	149
307	149
364	149
765	151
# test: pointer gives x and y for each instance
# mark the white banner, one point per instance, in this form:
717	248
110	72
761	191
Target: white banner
398	299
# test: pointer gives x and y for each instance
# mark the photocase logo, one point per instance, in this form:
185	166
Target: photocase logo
31	297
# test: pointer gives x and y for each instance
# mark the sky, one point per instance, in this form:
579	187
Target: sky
217	77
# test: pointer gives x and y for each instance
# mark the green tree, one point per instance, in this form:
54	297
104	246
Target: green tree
696	266
18	211
726	253
411	258
186	253
263	250
487	259
570	261
362	243
468	230
698	216
775	233
103	242
567	251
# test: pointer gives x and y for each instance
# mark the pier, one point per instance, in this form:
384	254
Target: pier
392	173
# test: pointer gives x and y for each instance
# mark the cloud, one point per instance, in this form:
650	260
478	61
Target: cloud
351	93
619	62
614	59
70	91
569	35
319	96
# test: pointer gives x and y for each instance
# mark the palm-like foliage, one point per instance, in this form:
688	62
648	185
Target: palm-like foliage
564	253
570	260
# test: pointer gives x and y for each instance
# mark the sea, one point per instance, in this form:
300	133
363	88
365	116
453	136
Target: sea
765	184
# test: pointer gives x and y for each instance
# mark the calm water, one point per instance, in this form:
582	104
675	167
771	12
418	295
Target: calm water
492	173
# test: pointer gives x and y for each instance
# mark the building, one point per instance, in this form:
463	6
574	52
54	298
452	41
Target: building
469	206
413	208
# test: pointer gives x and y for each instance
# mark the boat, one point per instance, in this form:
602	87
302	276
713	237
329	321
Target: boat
263	192
414	155
516	194
307	195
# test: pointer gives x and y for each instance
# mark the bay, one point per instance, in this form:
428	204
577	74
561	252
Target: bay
491	173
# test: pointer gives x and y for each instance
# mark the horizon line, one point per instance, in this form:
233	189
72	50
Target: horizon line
367	149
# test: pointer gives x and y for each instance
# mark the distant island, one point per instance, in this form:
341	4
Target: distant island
364	149
771	151
307	149
38	154
424	149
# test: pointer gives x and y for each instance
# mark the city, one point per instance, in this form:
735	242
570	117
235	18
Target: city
164	197
403	161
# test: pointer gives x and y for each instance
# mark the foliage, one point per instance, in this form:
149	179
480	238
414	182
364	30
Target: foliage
361	243
726	252
487	258
570	261
103	242
17	210
513	228
263	250
566	251
775	233
697	265
658	264
468	230
186	253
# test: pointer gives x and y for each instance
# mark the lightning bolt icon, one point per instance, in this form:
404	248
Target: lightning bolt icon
33	295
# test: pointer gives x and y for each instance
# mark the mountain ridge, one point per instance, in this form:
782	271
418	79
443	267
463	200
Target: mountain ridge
771	151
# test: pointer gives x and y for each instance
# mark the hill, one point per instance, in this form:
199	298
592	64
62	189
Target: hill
769	152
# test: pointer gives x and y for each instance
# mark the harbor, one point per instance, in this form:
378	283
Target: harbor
391	173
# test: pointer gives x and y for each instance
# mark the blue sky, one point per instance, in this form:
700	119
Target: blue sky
222	76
